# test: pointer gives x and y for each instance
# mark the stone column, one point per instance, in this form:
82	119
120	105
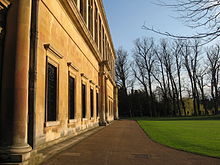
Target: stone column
102	100
116	117
14	103
106	101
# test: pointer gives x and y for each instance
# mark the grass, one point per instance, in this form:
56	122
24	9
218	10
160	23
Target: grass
198	135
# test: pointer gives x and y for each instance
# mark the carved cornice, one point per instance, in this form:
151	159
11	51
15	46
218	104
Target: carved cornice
107	25
111	79
91	82
105	62
101	73
76	17
48	47
84	76
70	64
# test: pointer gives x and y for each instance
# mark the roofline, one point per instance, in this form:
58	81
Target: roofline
107	25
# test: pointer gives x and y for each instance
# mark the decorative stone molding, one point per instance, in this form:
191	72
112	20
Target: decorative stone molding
105	62
107	26
102	73
52	123
72	121
75	16
84	119
48	47
84	76
91	82
70	64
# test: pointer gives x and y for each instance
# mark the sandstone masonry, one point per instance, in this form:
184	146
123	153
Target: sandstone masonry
57	74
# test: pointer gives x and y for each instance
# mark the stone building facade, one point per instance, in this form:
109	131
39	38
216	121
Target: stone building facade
57	73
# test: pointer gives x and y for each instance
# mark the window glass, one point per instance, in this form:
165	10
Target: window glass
91	102
51	92
97	104
83	9
83	101
71	97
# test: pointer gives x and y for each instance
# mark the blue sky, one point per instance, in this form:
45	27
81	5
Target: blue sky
126	17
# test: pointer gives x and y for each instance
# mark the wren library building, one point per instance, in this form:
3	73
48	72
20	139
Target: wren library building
57	74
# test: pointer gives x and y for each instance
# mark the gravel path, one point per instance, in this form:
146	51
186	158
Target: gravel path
125	143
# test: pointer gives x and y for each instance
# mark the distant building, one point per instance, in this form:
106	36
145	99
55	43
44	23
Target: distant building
188	102
57	73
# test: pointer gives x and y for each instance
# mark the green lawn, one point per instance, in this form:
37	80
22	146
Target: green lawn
198	136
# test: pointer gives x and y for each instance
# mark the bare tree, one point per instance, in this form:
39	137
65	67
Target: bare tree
159	74
139	73
170	67
190	55
213	56
122	79
162	76
145	58
200	79
177	48
122	69
161	70
197	14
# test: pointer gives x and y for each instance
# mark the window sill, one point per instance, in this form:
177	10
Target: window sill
52	123
84	119
72	121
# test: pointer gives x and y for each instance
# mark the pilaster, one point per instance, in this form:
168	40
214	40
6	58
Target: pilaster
106	100
102	96
116	116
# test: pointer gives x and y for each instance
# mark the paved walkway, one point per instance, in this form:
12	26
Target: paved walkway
124	143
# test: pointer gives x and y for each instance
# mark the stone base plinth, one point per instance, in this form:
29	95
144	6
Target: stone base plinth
103	123
15	155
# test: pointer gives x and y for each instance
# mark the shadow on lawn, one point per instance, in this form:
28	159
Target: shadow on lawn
216	117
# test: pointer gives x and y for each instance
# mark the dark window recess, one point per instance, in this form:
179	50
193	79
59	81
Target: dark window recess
96	24
109	110
83	101
103	43
100	34
91	102
51	92
91	16
97	104
83	9
3	16
112	108
71	97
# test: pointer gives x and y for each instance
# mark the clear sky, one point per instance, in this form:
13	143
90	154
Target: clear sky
126	17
